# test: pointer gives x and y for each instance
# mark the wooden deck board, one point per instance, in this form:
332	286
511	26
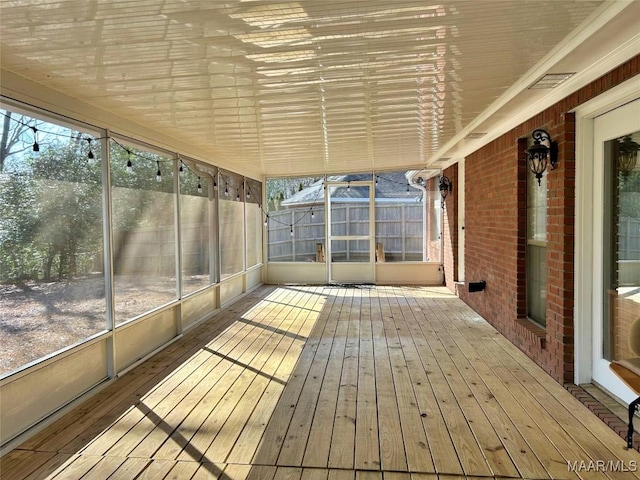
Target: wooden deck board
343	440
316	453
329	383
367	450
392	453
594	439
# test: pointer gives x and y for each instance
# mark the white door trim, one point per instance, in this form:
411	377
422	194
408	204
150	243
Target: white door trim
461	220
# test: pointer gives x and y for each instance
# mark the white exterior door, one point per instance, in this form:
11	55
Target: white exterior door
351	234
616	244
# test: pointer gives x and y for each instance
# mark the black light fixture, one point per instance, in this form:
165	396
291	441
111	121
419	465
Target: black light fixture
542	153
627	154
36	146
445	186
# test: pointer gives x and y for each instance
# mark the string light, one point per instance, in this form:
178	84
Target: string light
36	147
226	189
238	197
376	180
90	156
349	186
129	164
266	220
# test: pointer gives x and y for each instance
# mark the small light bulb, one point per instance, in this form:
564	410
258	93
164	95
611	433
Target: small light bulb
181	171
129	166
291	233
199	186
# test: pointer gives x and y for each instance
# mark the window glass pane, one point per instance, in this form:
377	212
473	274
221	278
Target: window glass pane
195	224
144	231
621	247
254	222
400	217
536	250
231	220
536	207
295	205
52	285
537	283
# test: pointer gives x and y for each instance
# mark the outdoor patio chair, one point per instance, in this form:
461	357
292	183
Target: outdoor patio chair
628	370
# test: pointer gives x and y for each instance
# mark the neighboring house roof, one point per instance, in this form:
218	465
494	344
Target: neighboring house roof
390	187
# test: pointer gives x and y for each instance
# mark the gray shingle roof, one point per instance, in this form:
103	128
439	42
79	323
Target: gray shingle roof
389	186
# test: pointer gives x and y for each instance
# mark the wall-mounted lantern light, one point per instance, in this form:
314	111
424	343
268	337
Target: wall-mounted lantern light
445	187
542	153
627	154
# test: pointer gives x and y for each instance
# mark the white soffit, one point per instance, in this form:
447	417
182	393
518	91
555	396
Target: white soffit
300	87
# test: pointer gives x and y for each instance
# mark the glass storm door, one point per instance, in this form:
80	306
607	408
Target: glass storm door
617	242
350	232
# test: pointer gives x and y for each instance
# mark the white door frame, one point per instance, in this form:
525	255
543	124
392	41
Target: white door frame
588	243
351	272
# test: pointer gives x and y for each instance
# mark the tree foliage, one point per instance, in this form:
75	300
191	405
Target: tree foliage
51	214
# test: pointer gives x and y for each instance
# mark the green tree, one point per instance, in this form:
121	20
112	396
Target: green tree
51	213
19	222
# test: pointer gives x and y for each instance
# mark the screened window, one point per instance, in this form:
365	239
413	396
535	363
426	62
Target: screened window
144	230
196	230
399	218
52	286
536	254
231	221
254	222
296	219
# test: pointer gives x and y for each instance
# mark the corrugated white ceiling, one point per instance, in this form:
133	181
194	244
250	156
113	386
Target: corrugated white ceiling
294	87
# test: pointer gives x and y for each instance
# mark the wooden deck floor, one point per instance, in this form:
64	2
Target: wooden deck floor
328	383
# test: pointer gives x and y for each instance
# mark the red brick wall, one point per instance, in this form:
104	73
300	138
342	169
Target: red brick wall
495	228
